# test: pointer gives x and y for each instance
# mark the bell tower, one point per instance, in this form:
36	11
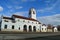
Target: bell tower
32	13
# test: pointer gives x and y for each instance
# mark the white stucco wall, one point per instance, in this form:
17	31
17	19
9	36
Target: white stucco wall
55	29
18	24
44	28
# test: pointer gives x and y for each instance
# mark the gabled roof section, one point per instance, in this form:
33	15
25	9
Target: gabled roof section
17	16
49	27
43	24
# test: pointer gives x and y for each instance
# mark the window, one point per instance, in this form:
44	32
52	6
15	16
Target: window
19	28
39	23
18	20
45	28
38	29
5	27
34	28
33	12
42	28
23	20
28	22
30	28
32	22
13	21
30	12
12	26
36	22
25	28
5	20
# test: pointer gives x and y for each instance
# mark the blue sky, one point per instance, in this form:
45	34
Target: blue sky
44	8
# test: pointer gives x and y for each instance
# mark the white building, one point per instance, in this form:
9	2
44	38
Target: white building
20	23
43	28
55	29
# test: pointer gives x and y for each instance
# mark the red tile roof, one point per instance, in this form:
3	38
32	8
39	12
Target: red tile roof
17	16
7	18
49	27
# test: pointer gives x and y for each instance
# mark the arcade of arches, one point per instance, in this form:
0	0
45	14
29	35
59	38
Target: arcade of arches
30	28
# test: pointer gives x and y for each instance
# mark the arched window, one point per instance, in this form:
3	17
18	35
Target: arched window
33	12
12	26
34	28
25	28
42	28
23	20
19	28
5	27
30	28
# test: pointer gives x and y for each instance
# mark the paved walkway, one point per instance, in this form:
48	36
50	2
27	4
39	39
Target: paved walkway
57	37
26	35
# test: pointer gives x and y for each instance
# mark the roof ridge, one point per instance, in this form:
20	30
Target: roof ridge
24	17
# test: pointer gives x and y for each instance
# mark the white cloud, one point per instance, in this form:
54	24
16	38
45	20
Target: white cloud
18	7
23	0
23	13
48	1
48	8
45	9
27	0
15	2
1	8
9	6
32	0
41	10
54	19
55	4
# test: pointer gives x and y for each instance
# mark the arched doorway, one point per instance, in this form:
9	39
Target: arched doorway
30	28
25	28
34	28
19	28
